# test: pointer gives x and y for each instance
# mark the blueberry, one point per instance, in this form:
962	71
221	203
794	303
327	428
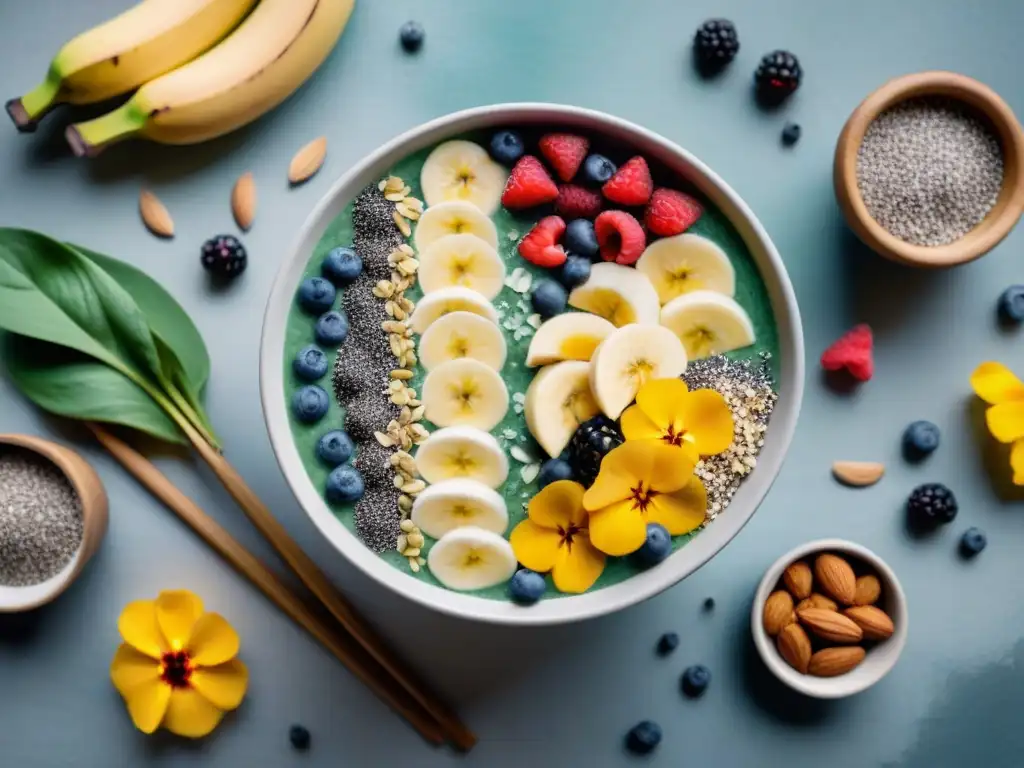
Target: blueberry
310	364
345	485
549	298
331	328
695	680
667	643
526	586
790	134
299	737
575	271
507	147
341	265
597	169
411	36
709	604
643	737
581	239
972	542
919	439
1011	304
335	448
657	547
317	295
552	470
310	403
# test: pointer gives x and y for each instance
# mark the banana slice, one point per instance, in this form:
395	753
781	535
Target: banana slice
685	263
447	300
558	400
465	392
462	452
462	334
462	170
708	323
619	294
569	336
471	558
630	357
457	503
464	260
454	218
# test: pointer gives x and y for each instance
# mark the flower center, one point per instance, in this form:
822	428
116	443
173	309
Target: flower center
672	437
568	533
176	669
642	496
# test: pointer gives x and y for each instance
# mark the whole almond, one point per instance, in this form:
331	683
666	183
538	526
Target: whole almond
830	625
835	577
307	160
243	201
795	647
874	622
155	215
778	612
867	591
858	473
817	600
798	580
830	662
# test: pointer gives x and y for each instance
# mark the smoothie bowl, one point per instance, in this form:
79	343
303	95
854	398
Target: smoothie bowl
529	364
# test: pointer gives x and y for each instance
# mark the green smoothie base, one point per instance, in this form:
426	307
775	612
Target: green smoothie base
514	309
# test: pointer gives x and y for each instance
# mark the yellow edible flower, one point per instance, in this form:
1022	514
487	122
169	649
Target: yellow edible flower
555	538
641	482
177	665
666	410
999	387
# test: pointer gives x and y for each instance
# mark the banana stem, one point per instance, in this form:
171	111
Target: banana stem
26	111
90	138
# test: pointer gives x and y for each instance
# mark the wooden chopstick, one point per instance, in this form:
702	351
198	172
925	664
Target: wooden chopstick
355	659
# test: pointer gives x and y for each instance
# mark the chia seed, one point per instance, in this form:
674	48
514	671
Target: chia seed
929	170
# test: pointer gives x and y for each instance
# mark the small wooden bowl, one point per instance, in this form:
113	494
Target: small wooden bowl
999	221
89	487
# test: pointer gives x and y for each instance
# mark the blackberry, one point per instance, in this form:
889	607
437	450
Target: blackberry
932	504
592	442
777	76
224	256
715	44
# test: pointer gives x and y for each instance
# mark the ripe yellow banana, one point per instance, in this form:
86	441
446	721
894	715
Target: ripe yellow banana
258	66
119	55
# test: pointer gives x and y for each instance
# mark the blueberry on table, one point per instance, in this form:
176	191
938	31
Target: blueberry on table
310	403
299	737
549	299
920	438
643	737
507	147
581	239
552	470
331	328
224	256
1011	304
656	547
791	134
526	586
335	448
597	169
317	295
345	485
667	643
695	680
932	504
709	604
411	36
972	542
310	363
575	271
341	265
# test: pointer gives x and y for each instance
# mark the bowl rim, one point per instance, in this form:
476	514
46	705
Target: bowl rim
996	225
563	609
843	685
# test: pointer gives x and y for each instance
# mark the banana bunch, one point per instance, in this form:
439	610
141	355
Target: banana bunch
199	68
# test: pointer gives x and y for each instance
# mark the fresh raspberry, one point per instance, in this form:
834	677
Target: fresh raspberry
621	237
576	202
671	212
540	244
528	185
853	352
564	152
632	183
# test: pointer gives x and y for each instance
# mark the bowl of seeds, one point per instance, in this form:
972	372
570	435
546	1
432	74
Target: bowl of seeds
928	169
53	516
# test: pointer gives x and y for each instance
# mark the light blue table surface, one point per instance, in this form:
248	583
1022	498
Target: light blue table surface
562	696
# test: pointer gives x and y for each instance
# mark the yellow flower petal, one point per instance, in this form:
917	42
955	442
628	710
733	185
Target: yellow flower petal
995	383
130	669
578	566
223	685
618	529
147	704
1006	421
190	714
636	425
138	626
213	641
660	400
670	468
558	505
706	421
649	463
682	511
536	547
1017	462
177	612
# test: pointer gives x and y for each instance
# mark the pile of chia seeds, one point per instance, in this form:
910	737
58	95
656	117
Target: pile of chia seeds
929	170
41	524
747	387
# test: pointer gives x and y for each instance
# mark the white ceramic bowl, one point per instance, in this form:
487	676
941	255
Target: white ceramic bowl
879	660
644	585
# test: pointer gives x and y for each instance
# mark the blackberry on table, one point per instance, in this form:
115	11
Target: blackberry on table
715	44
777	76
932	504
592	442
224	256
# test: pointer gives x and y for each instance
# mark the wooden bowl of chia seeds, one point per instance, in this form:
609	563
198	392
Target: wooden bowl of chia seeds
53	516
928	169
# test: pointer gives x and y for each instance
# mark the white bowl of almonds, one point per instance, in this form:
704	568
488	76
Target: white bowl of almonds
829	618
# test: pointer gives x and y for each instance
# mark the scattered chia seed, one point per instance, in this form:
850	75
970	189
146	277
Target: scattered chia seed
929	170
41	523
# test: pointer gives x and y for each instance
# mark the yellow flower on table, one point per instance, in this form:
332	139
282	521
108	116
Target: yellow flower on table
641	482
1000	388
177	665
555	538
666	410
